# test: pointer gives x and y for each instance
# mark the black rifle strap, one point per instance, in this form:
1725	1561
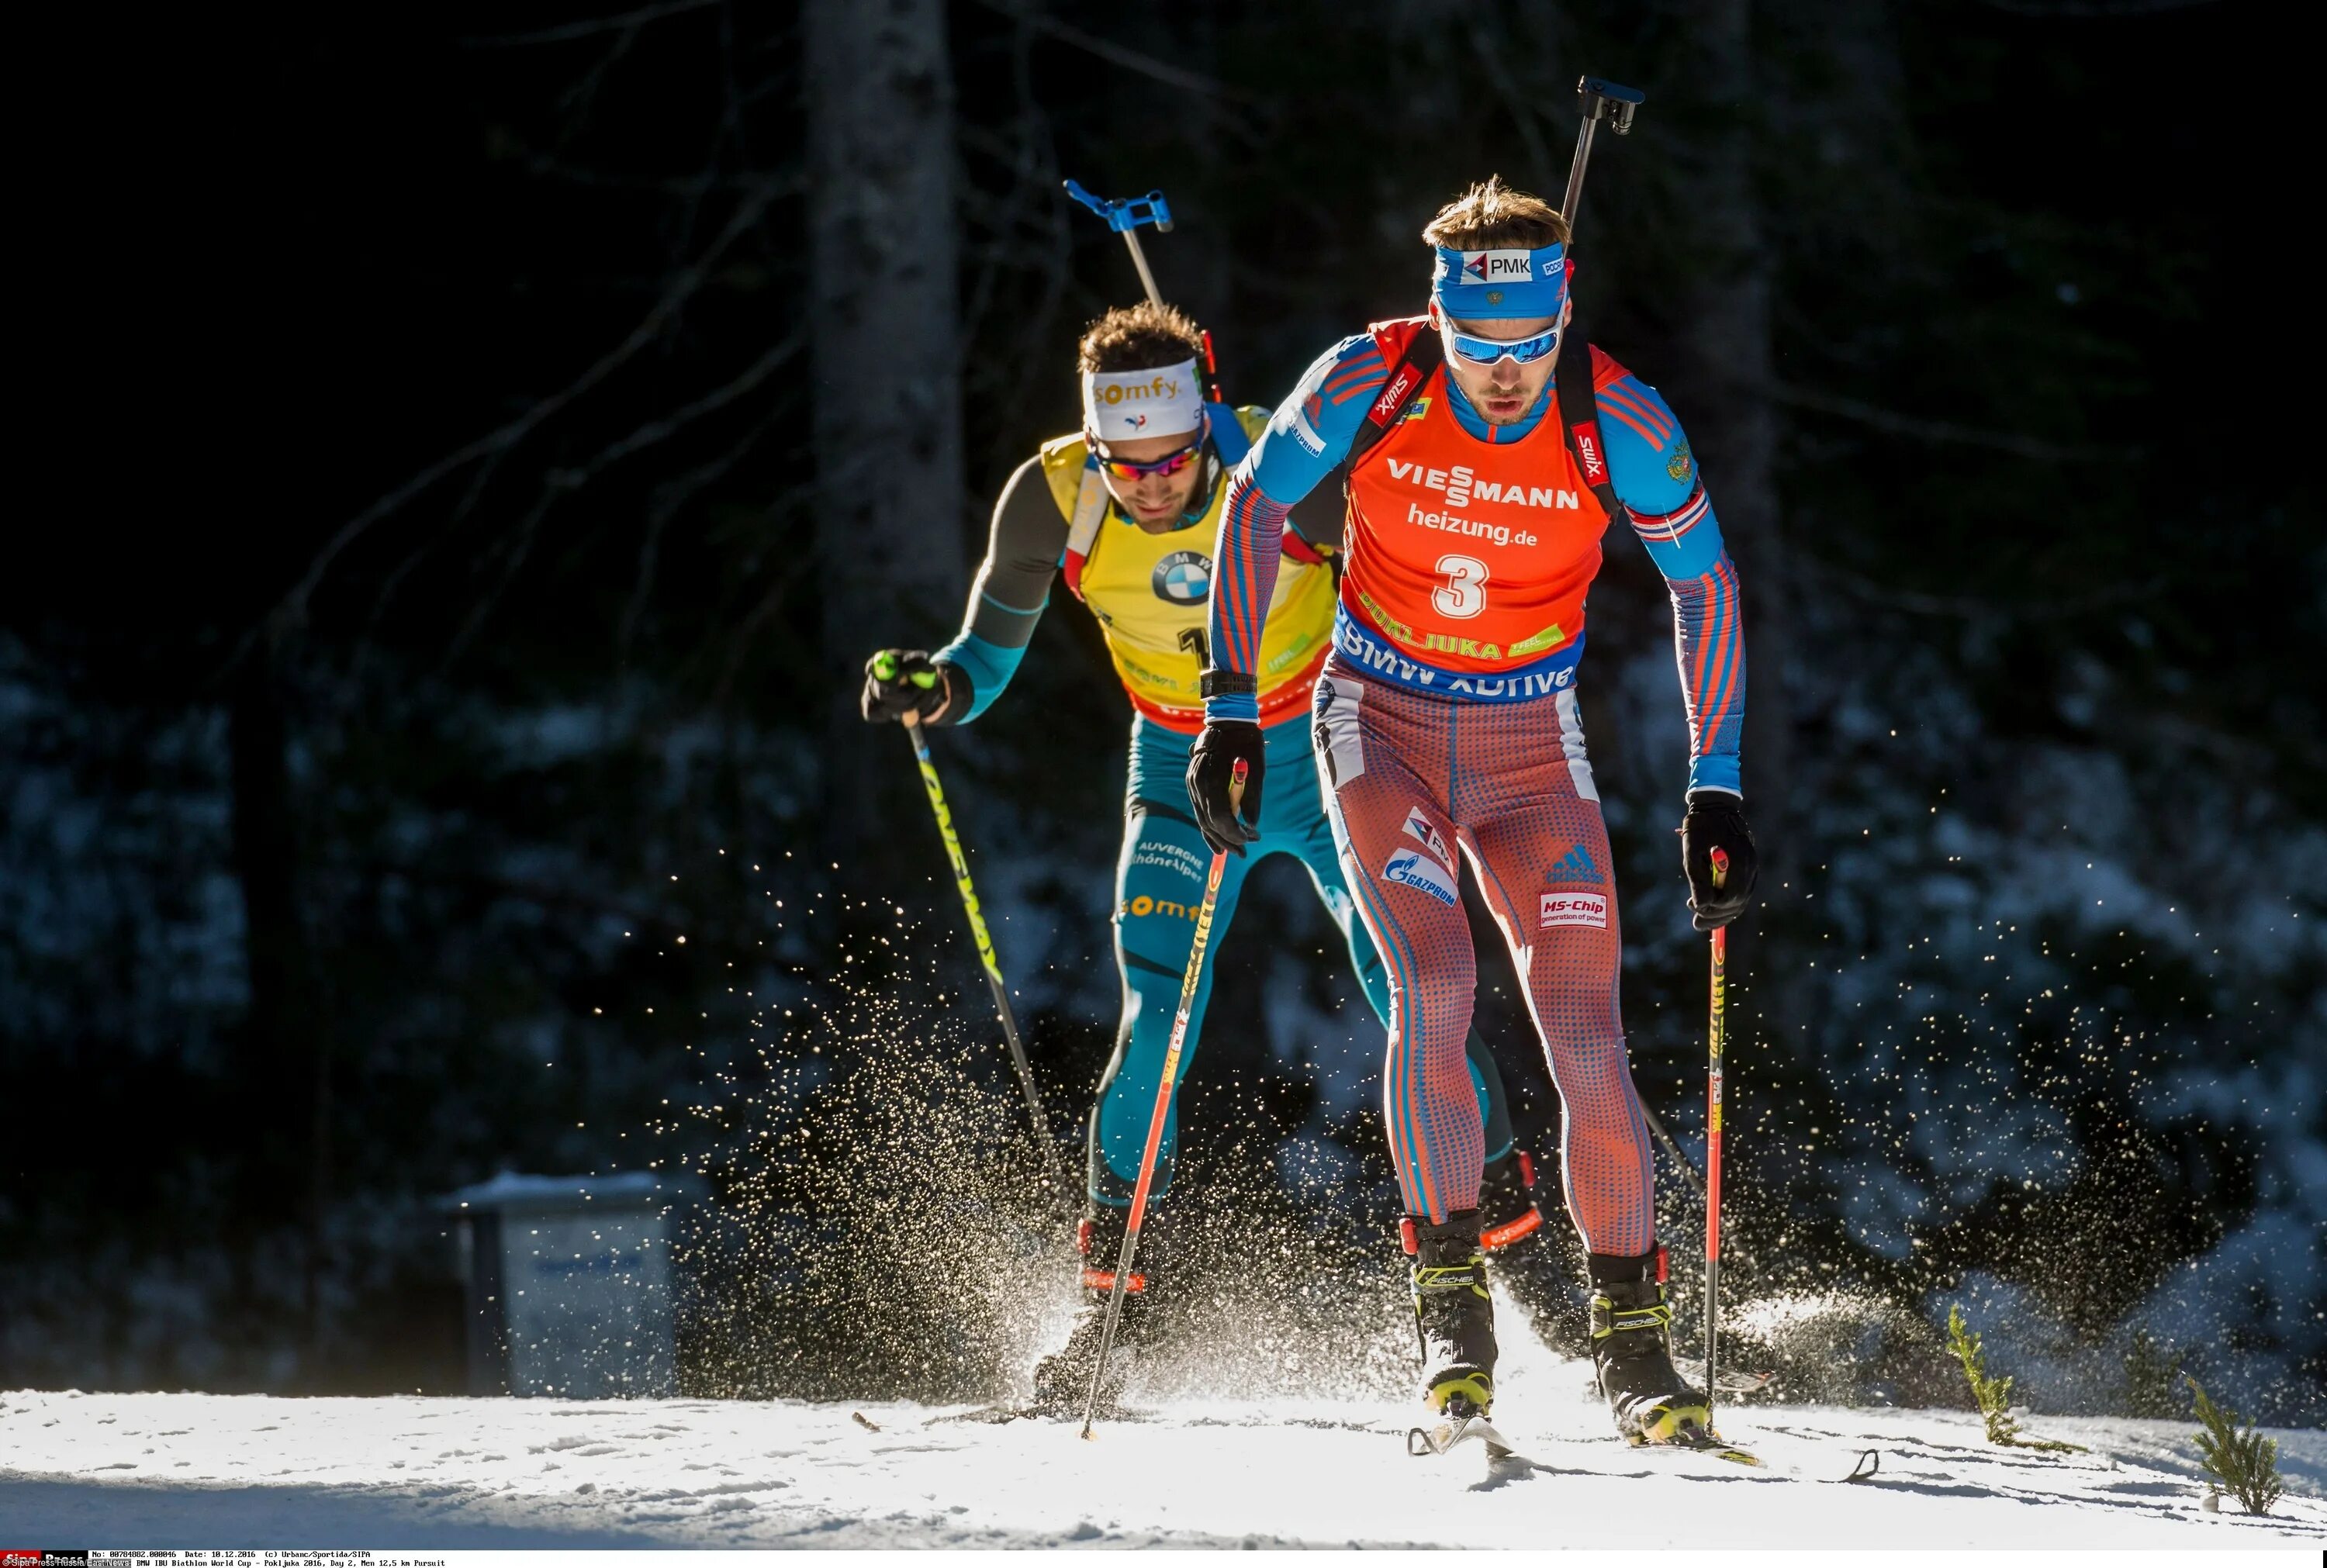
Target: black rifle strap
1579	420
1424	353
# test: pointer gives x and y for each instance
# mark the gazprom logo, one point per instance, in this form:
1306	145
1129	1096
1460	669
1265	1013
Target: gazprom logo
1414	870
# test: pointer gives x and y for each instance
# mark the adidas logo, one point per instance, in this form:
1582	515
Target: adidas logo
1575	866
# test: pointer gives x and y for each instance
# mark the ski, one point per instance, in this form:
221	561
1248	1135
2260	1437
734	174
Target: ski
1728	1380
1003	1415
1695	1440
1426	1442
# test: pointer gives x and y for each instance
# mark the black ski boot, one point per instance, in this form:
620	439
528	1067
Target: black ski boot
1531	1259
1453	1313
1632	1354
1062	1379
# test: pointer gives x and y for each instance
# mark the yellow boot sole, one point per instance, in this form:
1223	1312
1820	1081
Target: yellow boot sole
1668	1423
1476	1386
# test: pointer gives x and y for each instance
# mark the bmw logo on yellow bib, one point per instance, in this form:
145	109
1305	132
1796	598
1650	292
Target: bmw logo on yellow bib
1183	577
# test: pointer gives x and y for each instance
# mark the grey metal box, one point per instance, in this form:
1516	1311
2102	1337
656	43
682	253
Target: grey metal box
569	1283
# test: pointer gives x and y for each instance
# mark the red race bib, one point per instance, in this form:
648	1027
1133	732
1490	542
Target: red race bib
1470	557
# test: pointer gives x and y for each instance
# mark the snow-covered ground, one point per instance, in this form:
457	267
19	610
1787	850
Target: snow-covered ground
203	1470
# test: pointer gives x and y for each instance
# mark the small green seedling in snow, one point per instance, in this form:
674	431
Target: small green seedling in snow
2244	1464
1994	1395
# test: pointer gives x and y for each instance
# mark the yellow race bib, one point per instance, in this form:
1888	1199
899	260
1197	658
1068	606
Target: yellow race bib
1147	588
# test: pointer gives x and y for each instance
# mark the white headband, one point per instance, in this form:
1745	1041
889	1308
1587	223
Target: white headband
1131	404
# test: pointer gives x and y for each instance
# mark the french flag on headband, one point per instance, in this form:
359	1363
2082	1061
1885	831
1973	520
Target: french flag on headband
1500	284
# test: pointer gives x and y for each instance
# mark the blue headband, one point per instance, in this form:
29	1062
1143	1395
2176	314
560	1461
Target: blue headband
1499	286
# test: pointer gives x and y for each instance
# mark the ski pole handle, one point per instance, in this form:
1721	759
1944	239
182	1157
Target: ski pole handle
885	667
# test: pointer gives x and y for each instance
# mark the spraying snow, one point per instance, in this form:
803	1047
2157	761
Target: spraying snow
199	1471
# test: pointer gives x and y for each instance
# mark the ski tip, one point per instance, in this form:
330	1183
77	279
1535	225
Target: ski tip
1428	1443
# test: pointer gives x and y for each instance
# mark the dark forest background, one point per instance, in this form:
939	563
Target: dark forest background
485	440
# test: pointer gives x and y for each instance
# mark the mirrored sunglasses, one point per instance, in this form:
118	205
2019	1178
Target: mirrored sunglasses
1171	462
1487	350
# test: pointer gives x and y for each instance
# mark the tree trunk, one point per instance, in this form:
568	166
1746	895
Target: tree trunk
285	1071
887	367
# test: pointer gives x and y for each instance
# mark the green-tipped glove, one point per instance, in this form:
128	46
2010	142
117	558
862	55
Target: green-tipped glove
901	682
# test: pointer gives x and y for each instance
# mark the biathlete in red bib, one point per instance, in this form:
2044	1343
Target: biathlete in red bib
1484	463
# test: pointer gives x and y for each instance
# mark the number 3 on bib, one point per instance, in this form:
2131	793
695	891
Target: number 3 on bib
1464	592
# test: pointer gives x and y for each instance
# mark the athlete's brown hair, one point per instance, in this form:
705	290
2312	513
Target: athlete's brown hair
1492	216
1142	337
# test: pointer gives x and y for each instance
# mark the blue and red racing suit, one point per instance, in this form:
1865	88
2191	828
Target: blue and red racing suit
1054	520
1446	716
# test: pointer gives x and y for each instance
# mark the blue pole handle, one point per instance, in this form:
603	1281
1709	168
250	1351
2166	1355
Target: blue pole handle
1129	213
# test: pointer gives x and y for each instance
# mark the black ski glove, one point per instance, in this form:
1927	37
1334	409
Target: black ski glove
1211	768
1717	820
899	681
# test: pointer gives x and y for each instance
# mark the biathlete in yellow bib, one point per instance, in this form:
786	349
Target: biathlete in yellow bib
1125	510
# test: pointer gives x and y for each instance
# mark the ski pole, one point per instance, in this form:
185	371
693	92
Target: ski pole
1679	1157
1717	1025
1162	1107
1596	99
993	965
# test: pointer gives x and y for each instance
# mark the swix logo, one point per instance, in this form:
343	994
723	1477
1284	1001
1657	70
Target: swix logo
1588	448
1462	486
1387	404
1498	267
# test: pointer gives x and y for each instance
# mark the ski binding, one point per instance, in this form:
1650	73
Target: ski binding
1697	1440
1449	1434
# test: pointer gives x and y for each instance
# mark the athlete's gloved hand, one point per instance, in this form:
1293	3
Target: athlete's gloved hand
1717	820
1211	771
899	681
